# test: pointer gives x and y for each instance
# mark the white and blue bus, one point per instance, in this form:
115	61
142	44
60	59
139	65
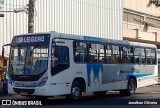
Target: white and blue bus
158	56
52	64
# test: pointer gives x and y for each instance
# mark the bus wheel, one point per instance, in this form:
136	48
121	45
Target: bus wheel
100	93
41	97
131	88
76	92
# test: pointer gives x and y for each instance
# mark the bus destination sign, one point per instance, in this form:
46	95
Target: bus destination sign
31	39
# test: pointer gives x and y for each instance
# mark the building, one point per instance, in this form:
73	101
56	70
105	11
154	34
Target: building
100	18
141	23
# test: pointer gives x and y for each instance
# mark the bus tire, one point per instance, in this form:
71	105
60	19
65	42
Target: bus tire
75	93
131	88
100	93
41	97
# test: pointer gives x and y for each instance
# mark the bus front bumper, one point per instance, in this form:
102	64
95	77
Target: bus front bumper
35	91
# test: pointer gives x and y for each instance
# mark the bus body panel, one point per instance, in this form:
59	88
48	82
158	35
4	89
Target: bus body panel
61	85
111	75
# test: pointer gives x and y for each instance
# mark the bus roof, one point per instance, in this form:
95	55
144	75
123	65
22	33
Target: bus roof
96	39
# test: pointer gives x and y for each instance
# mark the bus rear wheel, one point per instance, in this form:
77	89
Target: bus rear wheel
76	92
131	88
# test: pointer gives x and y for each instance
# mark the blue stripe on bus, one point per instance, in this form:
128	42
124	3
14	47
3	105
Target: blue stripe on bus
92	38
96	69
137	75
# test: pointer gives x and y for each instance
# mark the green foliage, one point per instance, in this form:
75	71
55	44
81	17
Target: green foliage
154	2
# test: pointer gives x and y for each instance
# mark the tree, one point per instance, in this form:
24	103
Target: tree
154	2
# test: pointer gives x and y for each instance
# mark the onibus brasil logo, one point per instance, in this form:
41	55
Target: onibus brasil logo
18	102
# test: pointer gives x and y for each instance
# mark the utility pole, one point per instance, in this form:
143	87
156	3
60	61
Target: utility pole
1	15
31	6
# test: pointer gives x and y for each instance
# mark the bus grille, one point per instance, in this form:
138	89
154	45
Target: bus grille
28	91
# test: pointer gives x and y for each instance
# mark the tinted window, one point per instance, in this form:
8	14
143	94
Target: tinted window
153	56
80	52
136	55
142	56
108	53
148	56
60	59
139	55
96	53
116	54
126	55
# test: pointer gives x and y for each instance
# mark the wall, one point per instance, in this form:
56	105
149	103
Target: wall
100	18
141	23
141	6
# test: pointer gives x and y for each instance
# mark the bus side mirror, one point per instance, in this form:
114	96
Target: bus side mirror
3	53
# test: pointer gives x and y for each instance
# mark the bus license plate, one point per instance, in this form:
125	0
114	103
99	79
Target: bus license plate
18	84
23	93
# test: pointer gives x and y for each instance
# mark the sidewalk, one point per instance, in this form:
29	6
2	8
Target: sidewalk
6	96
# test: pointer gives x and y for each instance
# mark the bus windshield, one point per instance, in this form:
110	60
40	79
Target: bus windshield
28	59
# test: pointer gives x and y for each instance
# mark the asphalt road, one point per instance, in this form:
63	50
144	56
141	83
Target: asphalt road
145	97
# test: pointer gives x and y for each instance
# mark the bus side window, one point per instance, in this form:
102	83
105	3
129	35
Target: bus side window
153	56
142	56
148	56
126	54
131	57
139	56
108	54
116	54
96	53
61	55
60	59
123	55
136	55
92	53
80	52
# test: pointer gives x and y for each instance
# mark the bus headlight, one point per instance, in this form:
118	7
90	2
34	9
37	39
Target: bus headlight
44	80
